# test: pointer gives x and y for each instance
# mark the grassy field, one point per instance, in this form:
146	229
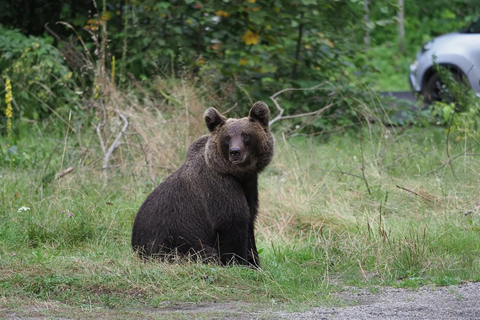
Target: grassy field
382	206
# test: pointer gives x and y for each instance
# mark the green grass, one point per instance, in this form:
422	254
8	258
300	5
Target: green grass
391	67
321	225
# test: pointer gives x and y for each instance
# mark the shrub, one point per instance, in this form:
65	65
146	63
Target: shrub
41	82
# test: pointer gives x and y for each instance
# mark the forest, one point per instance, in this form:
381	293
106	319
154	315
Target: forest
52	50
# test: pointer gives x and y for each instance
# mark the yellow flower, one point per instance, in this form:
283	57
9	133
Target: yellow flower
243	62
8	85
221	13
113	71
250	38
106	16
251	1
8	109
96	92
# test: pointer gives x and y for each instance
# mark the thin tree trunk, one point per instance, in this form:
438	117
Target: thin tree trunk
299	46
27	8
401	26
366	21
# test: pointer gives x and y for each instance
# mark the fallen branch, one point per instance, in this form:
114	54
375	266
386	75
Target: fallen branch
62	173
413	192
282	110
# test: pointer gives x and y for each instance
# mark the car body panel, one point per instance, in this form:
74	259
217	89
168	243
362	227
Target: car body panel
459	50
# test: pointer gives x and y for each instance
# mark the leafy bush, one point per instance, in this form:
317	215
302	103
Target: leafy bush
41	82
460	108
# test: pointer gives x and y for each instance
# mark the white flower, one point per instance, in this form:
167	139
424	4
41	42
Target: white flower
23	209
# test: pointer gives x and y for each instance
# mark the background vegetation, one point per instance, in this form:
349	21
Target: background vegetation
101	100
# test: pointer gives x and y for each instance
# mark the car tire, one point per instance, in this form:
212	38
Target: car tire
435	90
432	89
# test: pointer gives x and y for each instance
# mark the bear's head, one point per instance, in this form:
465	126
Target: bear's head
240	147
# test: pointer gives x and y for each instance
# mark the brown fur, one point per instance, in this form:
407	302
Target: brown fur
208	207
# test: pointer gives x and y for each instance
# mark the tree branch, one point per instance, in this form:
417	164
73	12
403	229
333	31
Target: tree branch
116	142
282	110
413	192
455	157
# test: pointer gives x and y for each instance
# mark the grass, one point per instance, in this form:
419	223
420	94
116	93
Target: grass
324	222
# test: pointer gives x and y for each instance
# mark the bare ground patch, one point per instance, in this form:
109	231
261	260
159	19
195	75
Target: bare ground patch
454	302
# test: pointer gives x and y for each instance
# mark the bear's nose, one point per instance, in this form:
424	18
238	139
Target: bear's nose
234	152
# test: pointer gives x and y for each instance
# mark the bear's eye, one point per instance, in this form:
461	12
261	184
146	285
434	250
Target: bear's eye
227	139
245	136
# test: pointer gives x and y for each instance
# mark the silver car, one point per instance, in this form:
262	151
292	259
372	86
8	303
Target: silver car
459	52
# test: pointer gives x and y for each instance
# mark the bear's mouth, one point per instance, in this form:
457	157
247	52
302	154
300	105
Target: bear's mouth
237	160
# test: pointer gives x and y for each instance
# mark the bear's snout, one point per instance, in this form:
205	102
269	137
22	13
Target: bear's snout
236	155
234	152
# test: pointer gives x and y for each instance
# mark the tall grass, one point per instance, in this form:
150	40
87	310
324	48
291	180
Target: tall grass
325	220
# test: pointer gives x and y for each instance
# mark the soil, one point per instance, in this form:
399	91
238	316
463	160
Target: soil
455	302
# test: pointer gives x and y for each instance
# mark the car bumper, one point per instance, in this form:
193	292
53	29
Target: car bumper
412	78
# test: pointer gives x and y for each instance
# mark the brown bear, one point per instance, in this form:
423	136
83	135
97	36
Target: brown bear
207	208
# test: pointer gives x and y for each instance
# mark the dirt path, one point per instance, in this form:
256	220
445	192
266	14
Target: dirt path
459	302
439	303
435	303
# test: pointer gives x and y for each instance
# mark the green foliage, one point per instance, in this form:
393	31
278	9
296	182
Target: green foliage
460	110
41	82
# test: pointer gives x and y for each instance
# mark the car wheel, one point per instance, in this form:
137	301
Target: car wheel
432	89
436	90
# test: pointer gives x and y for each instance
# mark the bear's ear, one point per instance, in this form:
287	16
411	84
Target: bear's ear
260	112
213	118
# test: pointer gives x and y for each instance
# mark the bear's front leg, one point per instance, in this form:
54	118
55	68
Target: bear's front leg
252	254
233	247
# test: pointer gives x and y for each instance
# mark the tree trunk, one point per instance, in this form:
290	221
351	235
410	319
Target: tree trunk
27	8
299	46
401	26
366	20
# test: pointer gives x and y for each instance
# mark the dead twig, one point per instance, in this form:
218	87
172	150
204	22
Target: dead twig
342	172
282	110
107	153
228	110
413	192
363	157
448	146
62	173
465	153
147	162
116	142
